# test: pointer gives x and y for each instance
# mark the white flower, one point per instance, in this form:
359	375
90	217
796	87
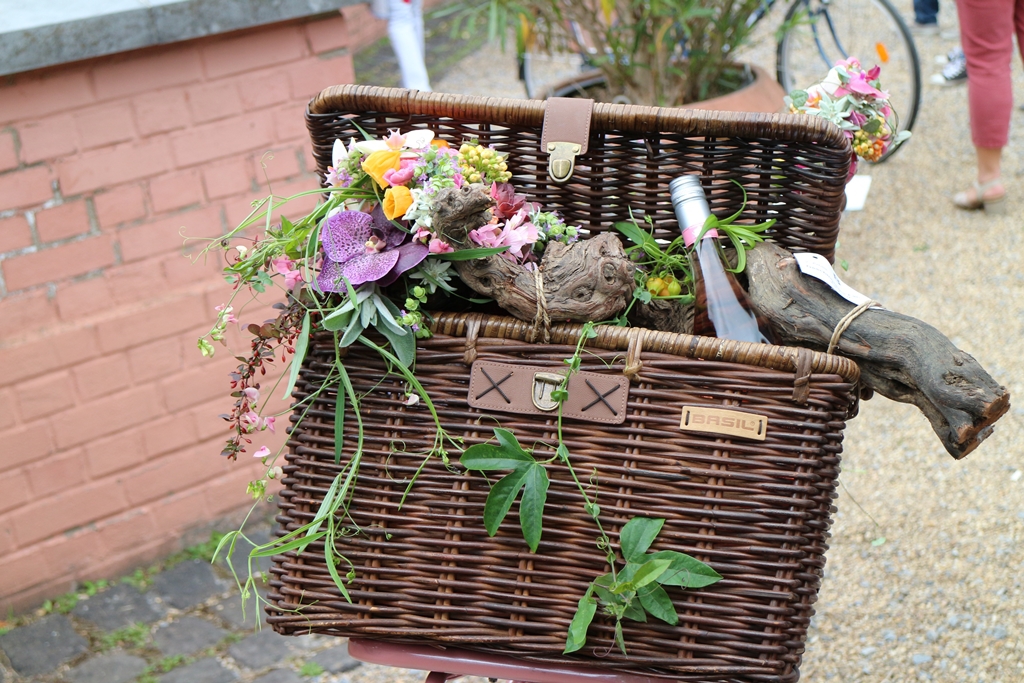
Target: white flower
411	400
415	139
831	82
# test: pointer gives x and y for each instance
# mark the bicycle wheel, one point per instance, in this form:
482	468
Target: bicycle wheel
818	33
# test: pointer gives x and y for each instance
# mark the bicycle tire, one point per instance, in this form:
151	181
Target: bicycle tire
806	51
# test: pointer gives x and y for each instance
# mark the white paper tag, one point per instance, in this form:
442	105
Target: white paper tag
818	267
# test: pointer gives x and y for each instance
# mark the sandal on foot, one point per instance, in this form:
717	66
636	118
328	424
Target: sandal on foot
996	205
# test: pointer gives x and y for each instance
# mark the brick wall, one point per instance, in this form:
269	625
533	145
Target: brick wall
109	438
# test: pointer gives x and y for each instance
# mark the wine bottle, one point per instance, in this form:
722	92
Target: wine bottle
721	307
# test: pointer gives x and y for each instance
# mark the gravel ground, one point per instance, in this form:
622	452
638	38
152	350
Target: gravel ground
942	598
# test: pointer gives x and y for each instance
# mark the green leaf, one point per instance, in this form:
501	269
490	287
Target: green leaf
508	441
470	254
404	345
872	126
531	507
500	499
301	344
485	456
638	534
354	329
636	234
271	549
633	610
799	97
338	320
619	640
685	571
656	601
585	611
649	571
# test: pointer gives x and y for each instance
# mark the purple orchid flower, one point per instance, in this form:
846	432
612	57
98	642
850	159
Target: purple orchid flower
362	247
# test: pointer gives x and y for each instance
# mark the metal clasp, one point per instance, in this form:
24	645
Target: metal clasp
544	383
562	160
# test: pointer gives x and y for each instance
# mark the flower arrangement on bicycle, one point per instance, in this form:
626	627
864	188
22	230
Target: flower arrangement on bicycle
852	98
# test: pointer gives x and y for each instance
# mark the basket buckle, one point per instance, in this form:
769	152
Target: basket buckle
544	384
562	160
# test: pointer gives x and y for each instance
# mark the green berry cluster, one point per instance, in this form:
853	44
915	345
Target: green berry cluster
412	317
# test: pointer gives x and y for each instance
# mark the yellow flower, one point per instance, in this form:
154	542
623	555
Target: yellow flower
379	162
397	201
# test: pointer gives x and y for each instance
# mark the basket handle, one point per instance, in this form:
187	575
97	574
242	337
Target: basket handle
636	346
472	333
802	383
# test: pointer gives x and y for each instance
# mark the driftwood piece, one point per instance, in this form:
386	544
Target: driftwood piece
899	357
587	280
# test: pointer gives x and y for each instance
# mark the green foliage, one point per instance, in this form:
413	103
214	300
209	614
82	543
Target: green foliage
167	664
638	588
310	669
62	604
134	636
528	476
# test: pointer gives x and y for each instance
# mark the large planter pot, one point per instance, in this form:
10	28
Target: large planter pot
762	95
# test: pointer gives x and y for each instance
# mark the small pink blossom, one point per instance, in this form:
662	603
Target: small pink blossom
857	119
395	140
226	315
251	421
262	452
422	235
252	393
402	175
286	267
439	246
516	233
268	423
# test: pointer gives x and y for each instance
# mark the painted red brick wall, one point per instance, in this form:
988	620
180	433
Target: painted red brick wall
109	439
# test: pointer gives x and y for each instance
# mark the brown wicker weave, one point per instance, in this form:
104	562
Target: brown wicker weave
792	167
757	511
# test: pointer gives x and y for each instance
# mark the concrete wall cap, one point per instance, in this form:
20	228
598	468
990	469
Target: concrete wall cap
34	35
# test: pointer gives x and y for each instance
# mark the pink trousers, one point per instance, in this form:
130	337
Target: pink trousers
987	28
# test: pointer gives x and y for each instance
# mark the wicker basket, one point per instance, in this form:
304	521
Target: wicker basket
757	511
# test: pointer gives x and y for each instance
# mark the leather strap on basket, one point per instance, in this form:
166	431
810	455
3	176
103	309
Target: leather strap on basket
566	134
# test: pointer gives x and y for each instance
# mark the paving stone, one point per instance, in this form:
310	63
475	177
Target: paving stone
311	641
336	660
260	651
186	636
279	676
230	610
115	667
41	647
121	606
187	584
207	670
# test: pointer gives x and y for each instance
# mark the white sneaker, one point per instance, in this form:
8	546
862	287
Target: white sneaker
920	30
955	71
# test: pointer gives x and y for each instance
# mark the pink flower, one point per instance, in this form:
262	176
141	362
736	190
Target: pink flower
506	202
262	452
395	140
857	119
403	175
859	84
422	235
439	246
286	267
851	63
252	421
252	393
268	423
518	232
226	315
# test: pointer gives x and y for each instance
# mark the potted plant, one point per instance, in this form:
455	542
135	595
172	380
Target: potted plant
658	52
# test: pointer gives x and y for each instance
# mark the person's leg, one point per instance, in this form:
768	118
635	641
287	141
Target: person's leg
926	12
417	20
986	29
407	45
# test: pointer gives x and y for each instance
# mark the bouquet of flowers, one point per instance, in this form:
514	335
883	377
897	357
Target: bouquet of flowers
367	257
852	98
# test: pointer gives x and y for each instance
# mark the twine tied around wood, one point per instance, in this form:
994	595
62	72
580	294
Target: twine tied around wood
541	320
845	322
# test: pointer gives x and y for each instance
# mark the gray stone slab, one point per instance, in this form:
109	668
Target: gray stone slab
41	647
121	606
187	584
260	651
207	670
114	667
187	636
36	36
279	676
336	660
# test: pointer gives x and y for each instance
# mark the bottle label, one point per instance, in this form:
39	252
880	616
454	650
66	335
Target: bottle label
818	267
691	231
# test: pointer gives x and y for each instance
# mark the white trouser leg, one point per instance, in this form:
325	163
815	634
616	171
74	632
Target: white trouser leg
405	28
